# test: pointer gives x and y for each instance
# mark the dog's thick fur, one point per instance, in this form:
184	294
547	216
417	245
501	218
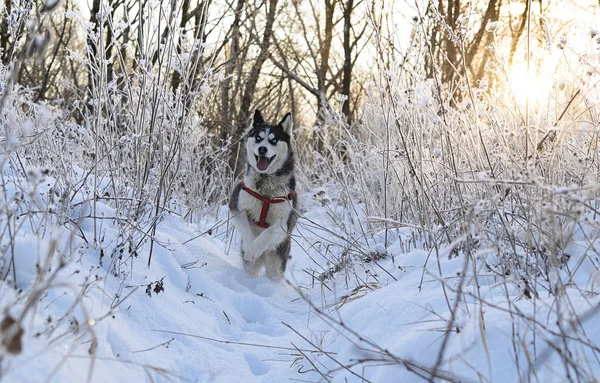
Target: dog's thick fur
270	173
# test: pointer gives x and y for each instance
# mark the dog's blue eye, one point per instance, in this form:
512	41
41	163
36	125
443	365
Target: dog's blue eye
258	138
273	141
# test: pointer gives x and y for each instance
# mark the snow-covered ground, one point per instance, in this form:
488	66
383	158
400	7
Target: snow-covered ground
195	316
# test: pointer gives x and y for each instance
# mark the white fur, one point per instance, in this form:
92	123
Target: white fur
267	240
244	227
256	240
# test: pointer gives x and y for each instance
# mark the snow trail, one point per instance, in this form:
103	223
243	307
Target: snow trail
213	297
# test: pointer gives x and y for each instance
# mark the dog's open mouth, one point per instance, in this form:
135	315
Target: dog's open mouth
262	162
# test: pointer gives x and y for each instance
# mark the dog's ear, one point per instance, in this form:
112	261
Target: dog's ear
257	119
287	123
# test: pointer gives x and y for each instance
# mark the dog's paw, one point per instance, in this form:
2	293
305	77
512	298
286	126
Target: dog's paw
249	257
245	248
254	251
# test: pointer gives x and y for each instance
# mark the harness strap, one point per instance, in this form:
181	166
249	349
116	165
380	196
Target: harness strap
266	202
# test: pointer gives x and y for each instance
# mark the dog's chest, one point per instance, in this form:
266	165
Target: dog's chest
277	212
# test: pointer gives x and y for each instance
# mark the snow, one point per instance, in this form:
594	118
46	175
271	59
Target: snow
107	320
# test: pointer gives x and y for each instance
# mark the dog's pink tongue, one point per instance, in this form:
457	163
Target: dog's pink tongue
262	163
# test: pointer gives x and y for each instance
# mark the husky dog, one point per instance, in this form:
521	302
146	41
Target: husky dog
264	204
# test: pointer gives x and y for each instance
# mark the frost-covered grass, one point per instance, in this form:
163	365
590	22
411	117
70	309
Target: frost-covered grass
194	315
438	240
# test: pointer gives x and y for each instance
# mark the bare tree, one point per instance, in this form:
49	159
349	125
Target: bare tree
253	77
451	52
492	13
314	64
188	74
5	31
347	79
254	73
92	43
226	118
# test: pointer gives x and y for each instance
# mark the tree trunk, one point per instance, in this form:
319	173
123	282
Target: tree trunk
91	43
492	14
93	47
165	34
520	30
5	33
324	52
190	84
110	71
226	114
185	8
346	81
252	81
448	73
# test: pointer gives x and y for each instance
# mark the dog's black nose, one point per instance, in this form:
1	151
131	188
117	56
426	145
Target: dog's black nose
262	150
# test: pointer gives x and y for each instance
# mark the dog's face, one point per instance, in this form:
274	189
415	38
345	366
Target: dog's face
268	146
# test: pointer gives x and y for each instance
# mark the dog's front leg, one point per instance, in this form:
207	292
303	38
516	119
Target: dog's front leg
267	240
244	227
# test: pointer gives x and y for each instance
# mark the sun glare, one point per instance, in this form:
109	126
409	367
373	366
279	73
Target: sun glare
526	86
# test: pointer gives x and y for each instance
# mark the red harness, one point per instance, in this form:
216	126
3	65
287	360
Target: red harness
266	202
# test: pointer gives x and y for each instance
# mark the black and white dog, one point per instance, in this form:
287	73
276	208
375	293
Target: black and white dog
264	204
